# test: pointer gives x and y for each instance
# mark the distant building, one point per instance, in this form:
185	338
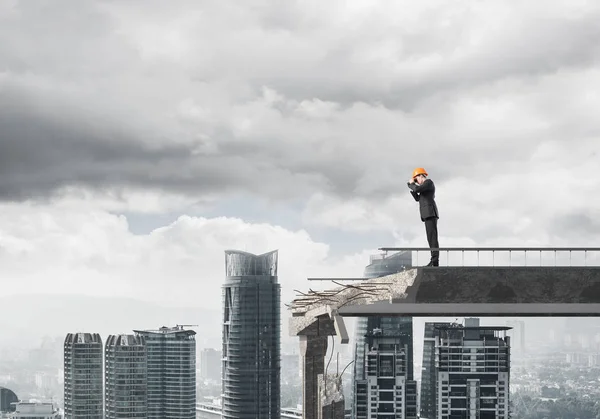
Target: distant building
8	399
83	376
291	413
517	335
251	337
428	405
35	411
213	411
473	373
210	364
593	360
171	360
291	366
125	377
381	265
208	411
44	381
579	358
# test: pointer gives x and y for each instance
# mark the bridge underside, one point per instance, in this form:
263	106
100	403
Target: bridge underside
467	310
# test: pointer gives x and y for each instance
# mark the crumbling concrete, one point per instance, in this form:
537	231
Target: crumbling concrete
315	303
331	397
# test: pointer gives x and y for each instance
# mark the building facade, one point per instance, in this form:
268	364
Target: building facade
171	372
473	371
428	393
385	392
251	337
397	327
125	377
83	376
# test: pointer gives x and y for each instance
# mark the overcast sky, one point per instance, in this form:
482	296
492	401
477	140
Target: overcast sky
140	139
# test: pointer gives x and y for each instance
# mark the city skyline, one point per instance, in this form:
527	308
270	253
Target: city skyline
575	351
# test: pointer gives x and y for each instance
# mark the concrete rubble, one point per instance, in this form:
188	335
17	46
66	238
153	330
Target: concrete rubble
331	397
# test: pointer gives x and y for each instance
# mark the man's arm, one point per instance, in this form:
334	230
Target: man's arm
415	195
426	186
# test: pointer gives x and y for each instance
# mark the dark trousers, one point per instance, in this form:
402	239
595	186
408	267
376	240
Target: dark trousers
432	238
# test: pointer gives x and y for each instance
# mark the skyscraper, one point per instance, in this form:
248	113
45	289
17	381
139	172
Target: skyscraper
429	371
400	328
473	371
83	376
171	374
251	336
126	385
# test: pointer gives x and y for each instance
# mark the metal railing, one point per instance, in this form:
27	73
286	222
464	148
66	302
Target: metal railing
508	256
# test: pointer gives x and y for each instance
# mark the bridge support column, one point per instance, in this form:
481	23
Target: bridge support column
313	347
313	350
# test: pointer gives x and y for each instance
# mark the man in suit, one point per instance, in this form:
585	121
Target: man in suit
423	190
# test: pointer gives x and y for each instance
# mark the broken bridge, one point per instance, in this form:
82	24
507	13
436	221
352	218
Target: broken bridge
552	287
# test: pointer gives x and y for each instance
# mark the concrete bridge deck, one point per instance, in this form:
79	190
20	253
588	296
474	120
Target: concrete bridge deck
488	291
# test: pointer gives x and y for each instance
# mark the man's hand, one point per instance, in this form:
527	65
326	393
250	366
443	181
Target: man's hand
411	180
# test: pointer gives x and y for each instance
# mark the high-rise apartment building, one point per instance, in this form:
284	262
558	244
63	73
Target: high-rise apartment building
125	378
386	392
83	376
428	391
171	372
473	371
395	327
210	364
251	337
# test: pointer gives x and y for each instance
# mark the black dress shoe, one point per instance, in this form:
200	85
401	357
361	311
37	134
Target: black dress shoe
433	264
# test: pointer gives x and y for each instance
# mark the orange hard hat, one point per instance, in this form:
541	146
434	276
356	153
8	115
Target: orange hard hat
419	171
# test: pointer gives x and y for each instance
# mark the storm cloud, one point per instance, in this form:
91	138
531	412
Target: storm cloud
288	99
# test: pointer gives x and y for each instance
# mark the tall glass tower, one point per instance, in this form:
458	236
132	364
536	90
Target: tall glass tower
83	376
251	336
171	375
397	327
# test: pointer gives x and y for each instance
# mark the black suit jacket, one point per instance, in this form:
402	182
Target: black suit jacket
425	195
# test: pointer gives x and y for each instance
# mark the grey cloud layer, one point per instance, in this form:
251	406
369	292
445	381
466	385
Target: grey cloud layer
149	96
